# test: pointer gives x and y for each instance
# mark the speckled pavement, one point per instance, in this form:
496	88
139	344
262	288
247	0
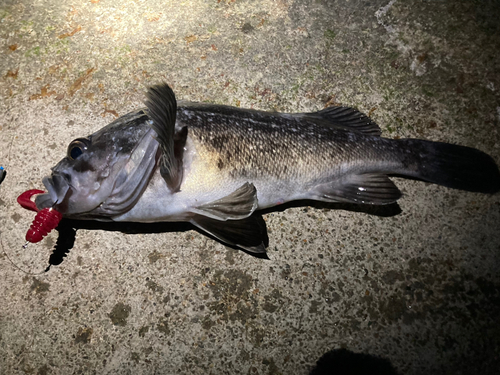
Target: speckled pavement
418	285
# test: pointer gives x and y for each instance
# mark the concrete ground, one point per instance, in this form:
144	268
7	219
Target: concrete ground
419	287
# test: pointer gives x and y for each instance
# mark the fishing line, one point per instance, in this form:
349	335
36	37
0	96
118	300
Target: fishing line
19	268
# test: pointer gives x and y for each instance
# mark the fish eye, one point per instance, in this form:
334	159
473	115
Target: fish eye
77	147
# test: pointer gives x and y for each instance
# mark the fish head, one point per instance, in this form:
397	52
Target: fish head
105	173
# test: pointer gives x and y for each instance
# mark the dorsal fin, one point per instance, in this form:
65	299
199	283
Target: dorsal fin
162	108
347	117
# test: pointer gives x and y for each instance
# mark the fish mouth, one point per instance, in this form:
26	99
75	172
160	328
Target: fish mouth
57	190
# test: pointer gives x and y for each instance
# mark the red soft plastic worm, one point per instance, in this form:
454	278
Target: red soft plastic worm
45	220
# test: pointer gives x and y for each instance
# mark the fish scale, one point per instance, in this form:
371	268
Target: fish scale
318	153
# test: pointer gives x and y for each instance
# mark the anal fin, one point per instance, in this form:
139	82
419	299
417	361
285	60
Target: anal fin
368	188
249	234
240	204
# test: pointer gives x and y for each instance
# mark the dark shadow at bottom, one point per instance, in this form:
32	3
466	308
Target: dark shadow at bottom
345	362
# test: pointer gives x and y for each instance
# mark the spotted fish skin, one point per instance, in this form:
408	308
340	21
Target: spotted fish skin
214	166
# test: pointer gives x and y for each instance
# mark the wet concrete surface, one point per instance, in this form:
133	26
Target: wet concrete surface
418	286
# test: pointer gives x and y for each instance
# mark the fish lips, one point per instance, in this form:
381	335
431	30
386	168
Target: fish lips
58	188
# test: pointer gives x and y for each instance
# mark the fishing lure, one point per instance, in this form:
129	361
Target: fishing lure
45	220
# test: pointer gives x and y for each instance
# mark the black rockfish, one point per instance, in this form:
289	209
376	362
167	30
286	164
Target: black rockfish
214	165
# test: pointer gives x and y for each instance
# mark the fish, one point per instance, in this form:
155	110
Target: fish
218	166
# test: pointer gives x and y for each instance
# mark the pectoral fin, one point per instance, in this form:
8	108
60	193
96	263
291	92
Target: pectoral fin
248	234
238	205
368	188
162	108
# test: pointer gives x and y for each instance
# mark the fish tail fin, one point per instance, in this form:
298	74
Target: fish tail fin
453	166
